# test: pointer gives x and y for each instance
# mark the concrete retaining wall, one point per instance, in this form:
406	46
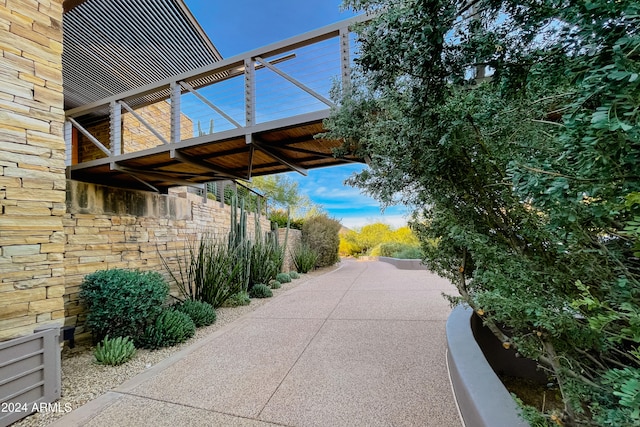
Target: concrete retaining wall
482	398
404	264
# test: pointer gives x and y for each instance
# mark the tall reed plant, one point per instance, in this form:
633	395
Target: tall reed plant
209	271
304	258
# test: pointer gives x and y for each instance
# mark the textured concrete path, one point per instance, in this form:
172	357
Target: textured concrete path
363	345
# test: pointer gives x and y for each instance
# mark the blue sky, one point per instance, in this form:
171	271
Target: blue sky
241	25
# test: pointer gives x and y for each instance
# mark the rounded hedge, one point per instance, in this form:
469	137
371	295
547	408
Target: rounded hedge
202	313
120	302
170	328
283	277
260	291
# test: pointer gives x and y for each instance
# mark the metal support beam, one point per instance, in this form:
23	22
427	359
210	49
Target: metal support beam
190	88
154	175
185	158
175	112
90	137
114	166
281	159
295	82
249	95
115	128
345	60
68	143
144	122
250	166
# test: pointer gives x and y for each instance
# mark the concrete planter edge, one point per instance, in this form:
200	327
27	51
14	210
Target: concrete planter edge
481	397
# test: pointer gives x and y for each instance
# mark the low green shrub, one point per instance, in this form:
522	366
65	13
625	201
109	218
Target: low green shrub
396	250
202	313
409	253
304	258
274	284
114	351
120	302
283	277
260	290
238	299
170	328
294	275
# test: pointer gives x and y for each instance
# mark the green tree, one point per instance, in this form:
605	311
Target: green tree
525	180
284	193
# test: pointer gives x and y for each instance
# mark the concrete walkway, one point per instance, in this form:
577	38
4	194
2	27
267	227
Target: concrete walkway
363	345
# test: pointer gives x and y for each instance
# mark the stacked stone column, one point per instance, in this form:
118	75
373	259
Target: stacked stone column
32	168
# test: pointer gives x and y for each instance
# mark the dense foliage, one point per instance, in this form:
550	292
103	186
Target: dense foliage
120	303
397	250
368	240
525	184
321	233
283	218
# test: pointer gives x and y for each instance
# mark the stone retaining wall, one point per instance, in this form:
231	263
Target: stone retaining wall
293	239
109	228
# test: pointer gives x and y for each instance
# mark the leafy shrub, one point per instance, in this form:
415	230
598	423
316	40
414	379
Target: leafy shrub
120	303
304	258
294	275
171	327
283	277
260	290
114	351
281	217
321	233
238	299
202	313
274	284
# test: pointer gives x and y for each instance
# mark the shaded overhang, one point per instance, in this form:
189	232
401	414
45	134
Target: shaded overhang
277	147
113	53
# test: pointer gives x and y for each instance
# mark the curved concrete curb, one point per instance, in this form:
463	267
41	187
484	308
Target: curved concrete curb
482	398
404	264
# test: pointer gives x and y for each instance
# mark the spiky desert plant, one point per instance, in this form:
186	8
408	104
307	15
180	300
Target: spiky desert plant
114	351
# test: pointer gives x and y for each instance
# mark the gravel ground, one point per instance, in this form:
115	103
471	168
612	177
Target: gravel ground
84	380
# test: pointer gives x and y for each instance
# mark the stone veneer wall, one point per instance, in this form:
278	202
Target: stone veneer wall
32	169
113	228
293	238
